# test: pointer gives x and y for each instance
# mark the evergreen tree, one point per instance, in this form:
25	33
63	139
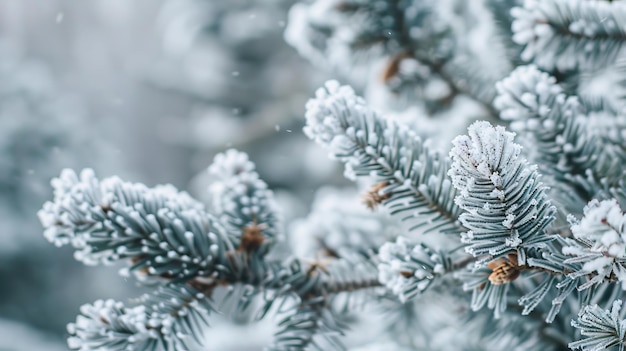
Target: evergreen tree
511	238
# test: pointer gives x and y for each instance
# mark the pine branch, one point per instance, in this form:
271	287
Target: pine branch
371	146
506	208
435	49
309	319
166	317
165	233
507	214
339	226
394	31
537	107
602	328
314	286
302	278
386	28
408	270
556	129
356	273
570	34
168	235
600	244
484	292
242	201
597	250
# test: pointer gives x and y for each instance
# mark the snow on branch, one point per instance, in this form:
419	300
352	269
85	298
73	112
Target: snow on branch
506	207
412	178
164	232
570	34
338	225
603	329
484	292
242	201
423	57
408	269
169	317
168	235
311	325
555	128
537	106
339	31
601	243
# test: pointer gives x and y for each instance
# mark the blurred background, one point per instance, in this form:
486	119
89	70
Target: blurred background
149	90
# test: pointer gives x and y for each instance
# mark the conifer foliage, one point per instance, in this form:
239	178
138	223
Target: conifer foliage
520	222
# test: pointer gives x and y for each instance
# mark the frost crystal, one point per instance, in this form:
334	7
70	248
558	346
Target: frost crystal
341	121
602	328
566	34
107	324
165	318
603	224
601	245
333	100
109	220
240	198
527	94
506	206
407	269
481	153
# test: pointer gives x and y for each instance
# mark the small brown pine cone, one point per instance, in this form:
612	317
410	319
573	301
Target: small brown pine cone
252	237
504	270
372	198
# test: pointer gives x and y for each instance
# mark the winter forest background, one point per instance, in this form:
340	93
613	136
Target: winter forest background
153	90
